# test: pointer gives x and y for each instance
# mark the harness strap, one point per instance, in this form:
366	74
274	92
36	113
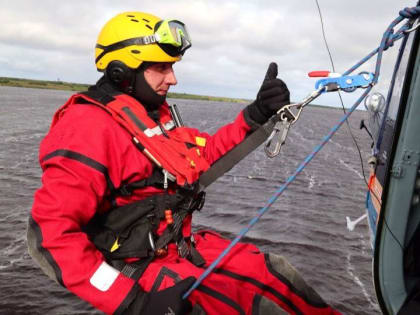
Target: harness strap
104	95
174	233
132	270
230	159
155	180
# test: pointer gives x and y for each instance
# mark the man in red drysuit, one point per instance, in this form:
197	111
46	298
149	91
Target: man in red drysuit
112	220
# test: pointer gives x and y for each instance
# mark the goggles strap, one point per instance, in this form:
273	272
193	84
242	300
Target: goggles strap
145	40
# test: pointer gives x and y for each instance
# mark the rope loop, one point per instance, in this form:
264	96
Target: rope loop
410	13
389	42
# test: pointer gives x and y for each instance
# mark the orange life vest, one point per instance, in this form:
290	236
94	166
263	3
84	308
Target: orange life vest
171	148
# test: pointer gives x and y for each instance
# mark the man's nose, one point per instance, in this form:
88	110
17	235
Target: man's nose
171	78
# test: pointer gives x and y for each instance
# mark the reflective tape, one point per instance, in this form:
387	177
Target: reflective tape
150	132
104	277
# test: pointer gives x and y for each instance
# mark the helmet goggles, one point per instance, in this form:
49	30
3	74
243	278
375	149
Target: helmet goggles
170	35
174	33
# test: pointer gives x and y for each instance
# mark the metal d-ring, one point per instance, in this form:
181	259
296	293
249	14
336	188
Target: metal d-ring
414	27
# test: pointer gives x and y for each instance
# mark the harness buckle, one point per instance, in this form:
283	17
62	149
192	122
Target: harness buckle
183	248
158	252
152	241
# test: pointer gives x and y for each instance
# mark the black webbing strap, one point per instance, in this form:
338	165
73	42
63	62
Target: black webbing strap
169	234
174	233
103	94
155	180
230	159
132	270
122	44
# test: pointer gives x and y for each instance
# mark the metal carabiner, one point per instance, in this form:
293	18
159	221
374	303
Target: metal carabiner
285	118
277	138
282	128
151	241
286	113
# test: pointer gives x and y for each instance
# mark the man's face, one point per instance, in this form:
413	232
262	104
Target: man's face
160	76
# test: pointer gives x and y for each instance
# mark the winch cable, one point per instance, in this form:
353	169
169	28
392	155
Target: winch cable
348	125
387	40
407	13
339	93
377	145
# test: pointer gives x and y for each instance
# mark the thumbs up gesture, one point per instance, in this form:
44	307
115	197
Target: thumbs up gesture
271	97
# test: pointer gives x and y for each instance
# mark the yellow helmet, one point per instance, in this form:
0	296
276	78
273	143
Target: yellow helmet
134	37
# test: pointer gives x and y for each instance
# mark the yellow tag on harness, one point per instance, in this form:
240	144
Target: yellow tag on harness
115	246
201	142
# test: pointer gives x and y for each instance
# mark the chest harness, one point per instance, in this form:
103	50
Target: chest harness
129	231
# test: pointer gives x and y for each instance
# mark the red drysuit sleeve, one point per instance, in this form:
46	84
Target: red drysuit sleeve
225	138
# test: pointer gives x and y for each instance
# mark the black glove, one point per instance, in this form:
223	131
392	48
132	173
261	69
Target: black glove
272	96
167	301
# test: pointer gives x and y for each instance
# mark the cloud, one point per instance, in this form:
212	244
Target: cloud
233	41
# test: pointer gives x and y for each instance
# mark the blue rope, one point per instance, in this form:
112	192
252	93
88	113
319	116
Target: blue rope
387	41
389	38
410	13
276	195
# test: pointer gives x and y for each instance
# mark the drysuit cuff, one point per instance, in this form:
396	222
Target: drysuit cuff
253	124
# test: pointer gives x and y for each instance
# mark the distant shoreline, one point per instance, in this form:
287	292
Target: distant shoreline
68	86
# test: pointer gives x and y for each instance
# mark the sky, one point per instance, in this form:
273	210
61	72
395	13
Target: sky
233	41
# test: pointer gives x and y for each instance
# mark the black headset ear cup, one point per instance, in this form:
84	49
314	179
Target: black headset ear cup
118	72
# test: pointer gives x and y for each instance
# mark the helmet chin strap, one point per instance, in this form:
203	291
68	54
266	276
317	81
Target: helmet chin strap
143	92
136	86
